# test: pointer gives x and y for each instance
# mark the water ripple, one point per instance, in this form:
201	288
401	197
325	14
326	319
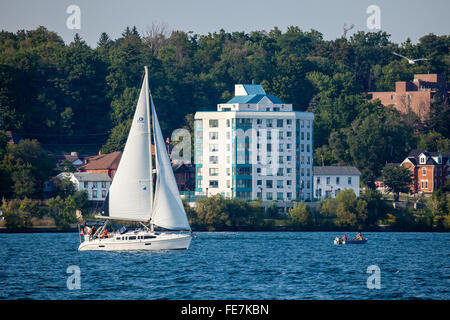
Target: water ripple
231	265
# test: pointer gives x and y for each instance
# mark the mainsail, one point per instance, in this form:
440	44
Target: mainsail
130	192
168	210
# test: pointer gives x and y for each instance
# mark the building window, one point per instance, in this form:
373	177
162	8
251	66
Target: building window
279	123
426	184
289	134
103	184
213	171
269	184
328	180
213	147
349	180
214	159
213	183
94	194
228	134
213	123
269	196
269	147
94	185
258	121
289	182
279	195
424	171
280	172
279	184
86	184
259	182
318	180
214	135
337	180
269	122
103	194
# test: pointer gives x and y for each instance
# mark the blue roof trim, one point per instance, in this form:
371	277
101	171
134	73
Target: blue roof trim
253	89
254	98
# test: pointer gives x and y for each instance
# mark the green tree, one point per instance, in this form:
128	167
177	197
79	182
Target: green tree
66	188
300	215
350	211
18	213
397	179
62	211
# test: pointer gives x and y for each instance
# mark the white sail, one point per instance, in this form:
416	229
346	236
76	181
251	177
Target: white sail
130	191
168	211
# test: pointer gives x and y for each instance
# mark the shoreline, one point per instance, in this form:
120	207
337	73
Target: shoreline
234	229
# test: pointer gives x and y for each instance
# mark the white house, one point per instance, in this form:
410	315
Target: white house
328	181
96	184
254	147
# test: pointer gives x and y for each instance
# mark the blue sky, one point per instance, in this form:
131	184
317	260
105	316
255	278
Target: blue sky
401	18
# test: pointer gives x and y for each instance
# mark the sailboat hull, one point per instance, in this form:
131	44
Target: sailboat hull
138	241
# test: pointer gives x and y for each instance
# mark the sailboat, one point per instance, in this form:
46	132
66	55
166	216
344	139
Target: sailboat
133	197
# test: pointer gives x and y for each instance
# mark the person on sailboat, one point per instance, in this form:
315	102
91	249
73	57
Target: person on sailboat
105	234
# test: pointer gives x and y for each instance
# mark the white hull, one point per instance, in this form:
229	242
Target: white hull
141	241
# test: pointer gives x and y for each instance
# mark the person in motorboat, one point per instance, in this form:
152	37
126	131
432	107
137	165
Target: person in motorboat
344	238
359	236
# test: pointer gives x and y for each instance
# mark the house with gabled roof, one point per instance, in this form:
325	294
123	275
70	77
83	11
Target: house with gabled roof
329	180
95	184
102	163
429	170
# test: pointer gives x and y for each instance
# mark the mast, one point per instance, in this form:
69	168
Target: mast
147	101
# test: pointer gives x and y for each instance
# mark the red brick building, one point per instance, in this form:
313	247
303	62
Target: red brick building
429	170
415	96
103	163
184	176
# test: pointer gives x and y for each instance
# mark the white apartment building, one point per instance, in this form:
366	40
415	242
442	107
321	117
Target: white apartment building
96	184
329	180
254	147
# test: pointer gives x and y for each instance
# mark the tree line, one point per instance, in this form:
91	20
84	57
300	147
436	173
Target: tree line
369	211
81	98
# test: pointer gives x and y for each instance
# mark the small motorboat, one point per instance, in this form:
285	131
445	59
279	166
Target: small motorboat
338	240
355	241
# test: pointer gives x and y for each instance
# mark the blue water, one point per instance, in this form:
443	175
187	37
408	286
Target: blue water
265	265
